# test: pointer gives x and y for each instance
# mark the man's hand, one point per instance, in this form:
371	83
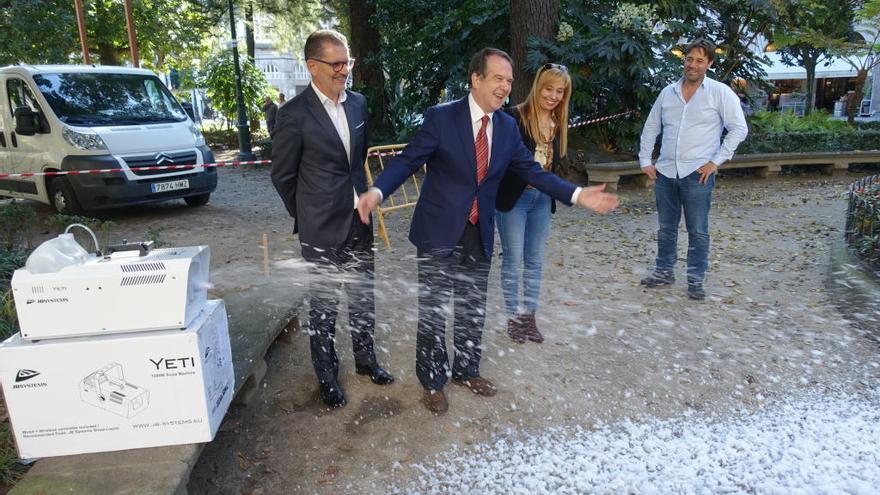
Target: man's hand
367	202
650	171
707	170
595	199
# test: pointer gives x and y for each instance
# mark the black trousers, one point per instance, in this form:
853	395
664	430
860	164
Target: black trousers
349	268
463	276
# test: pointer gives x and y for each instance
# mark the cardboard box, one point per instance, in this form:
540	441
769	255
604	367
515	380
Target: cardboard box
118	392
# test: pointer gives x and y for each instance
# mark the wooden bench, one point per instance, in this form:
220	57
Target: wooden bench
769	164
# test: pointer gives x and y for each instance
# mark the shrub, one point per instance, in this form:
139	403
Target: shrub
818	121
102	228
818	141
16	225
864	224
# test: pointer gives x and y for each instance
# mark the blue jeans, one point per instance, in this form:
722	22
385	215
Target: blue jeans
694	198
524	231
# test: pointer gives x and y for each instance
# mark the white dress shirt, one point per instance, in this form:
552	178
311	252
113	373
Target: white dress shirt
477	122
336	112
692	129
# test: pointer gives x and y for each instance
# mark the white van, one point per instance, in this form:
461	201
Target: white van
84	117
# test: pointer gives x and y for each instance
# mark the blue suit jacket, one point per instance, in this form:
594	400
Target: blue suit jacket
445	143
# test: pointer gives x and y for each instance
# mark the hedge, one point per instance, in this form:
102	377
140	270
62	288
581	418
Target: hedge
786	142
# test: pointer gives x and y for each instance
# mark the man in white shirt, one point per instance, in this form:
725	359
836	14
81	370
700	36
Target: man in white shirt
318	150
691	113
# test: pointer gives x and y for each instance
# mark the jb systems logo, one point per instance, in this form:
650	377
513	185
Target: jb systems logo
49	300
24	375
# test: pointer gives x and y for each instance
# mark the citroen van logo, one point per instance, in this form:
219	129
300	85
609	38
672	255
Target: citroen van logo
23	375
163	159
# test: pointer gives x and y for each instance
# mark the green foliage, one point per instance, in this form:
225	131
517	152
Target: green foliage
864	224
263	148
155	234
29	34
16	225
426	48
220	83
228	137
819	120
102	228
9	262
10	469
45	31
819	141
612	59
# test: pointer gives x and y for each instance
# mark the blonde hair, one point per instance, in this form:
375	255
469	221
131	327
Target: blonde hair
528	110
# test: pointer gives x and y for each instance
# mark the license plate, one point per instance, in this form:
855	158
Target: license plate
170	186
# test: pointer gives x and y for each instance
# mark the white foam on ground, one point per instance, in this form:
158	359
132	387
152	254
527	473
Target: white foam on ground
811	445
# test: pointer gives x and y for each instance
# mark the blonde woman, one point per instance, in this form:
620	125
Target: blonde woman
523	212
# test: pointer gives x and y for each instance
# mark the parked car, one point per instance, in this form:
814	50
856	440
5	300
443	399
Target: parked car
84	117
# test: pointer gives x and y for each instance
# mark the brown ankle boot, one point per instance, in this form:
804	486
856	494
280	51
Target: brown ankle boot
516	331
530	328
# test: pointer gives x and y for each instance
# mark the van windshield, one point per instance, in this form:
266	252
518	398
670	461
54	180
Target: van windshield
89	99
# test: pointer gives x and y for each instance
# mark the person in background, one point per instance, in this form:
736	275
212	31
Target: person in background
745	105
691	113
281	100
523	212
270	110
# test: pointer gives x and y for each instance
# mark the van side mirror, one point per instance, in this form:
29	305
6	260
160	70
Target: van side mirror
188	108
27	121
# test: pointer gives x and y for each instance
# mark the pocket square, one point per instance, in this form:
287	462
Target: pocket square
360	125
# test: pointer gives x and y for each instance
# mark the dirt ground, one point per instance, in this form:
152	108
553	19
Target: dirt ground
614	350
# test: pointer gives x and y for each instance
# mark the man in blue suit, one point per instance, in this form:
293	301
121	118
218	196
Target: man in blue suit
468	145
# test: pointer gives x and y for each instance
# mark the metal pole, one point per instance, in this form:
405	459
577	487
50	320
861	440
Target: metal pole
132	35
244	134
81	26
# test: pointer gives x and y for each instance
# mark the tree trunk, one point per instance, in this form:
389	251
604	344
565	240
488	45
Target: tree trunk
539	18
249	30
810	67
368	75
108	53
854	104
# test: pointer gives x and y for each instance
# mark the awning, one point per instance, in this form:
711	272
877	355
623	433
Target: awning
777	70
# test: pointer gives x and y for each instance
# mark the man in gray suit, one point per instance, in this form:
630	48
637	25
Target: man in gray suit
318	151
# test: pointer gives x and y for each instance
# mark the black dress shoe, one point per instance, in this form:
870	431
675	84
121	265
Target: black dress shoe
695	291
378	375
658	279
332	394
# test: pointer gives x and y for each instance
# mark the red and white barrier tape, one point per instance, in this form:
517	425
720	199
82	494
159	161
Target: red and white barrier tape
571	126
236	164
135	169
601	119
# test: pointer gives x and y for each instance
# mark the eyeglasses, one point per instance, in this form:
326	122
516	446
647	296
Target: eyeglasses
558	67
336	66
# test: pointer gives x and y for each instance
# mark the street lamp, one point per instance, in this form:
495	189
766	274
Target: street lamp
244	134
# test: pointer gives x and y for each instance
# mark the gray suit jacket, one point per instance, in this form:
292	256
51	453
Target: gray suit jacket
311	172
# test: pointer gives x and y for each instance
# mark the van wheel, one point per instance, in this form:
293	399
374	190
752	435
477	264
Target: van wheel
63	199
198	200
